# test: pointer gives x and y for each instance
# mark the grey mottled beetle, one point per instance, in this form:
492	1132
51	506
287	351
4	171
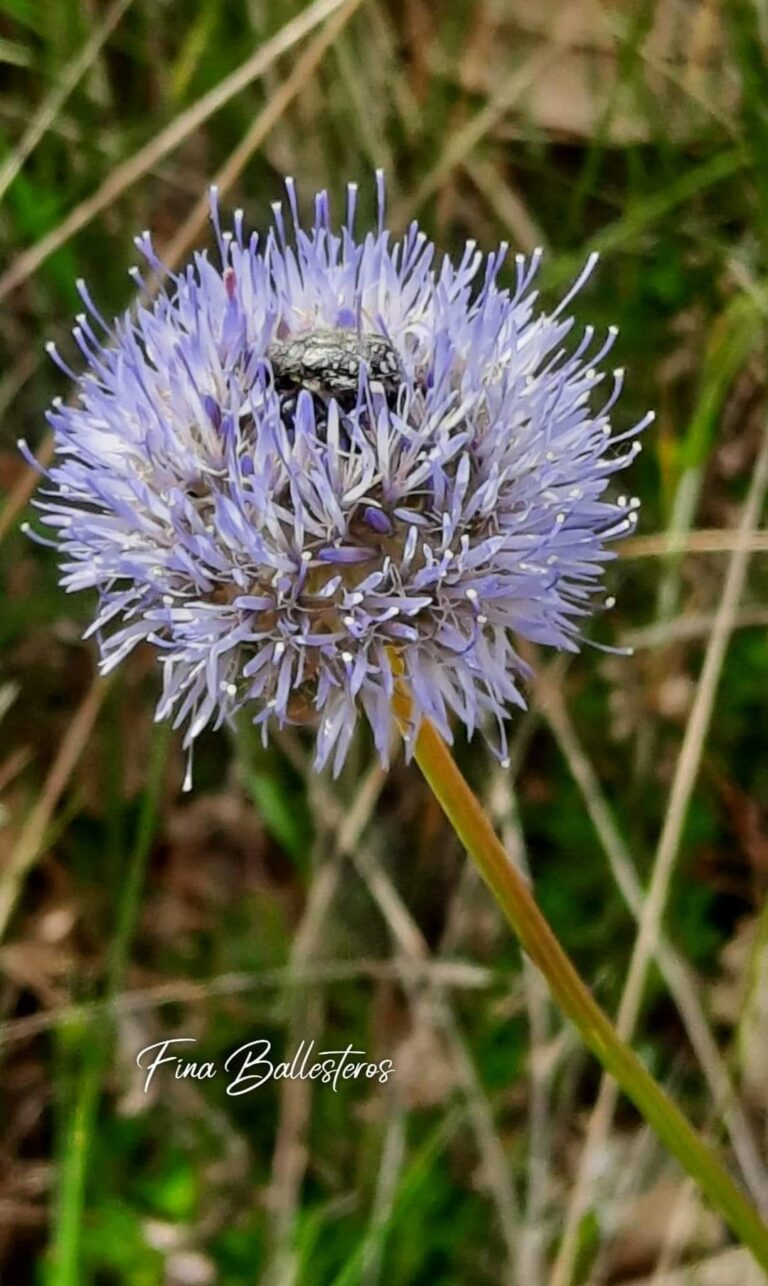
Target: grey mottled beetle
327	363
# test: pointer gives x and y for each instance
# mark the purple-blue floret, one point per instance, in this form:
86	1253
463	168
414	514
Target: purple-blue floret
323	460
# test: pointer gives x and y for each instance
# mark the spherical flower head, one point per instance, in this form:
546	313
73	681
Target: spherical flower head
322	461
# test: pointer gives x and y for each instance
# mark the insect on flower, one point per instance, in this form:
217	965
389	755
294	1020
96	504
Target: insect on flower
325	457
327	363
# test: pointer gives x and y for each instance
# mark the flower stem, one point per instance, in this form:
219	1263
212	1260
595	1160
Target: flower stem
476	833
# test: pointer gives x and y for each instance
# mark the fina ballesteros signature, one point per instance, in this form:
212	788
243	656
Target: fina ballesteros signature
252	1064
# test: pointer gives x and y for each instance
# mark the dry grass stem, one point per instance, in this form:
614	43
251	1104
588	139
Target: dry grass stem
412	947
710	541
679	978
29	845
276	106
123	176
70	76
646	943
442	973
305	1022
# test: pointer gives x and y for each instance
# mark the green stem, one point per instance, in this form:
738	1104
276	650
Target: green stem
473	828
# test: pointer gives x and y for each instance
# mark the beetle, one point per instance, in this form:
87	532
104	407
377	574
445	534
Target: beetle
327	363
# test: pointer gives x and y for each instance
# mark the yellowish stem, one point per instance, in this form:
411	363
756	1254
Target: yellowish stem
475	831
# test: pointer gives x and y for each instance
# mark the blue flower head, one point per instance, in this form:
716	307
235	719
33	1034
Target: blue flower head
326	458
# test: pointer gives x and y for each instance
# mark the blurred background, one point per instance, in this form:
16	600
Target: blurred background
271	903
